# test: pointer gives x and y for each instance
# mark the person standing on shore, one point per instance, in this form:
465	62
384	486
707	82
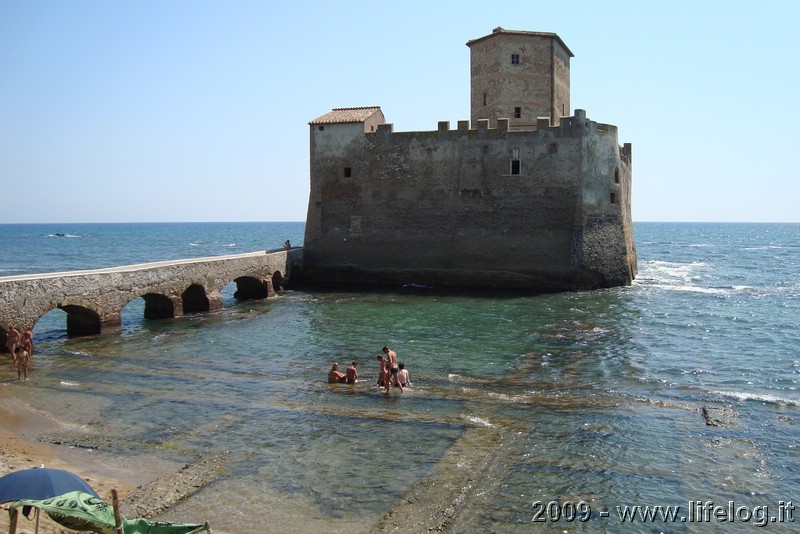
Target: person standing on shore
393	369
27	344
12	341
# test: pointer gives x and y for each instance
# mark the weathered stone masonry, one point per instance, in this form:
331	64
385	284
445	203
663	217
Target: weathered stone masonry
94	299
523	205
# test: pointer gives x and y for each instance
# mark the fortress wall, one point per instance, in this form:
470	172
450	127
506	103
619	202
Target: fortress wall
442	206
341	146
604	247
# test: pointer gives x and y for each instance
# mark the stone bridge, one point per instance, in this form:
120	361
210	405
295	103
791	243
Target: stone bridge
94	299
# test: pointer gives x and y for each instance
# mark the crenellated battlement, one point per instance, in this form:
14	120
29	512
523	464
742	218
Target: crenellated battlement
575	126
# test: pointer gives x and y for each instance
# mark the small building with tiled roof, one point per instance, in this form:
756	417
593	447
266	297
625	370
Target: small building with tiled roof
369	116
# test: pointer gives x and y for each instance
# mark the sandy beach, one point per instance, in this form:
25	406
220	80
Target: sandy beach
19	449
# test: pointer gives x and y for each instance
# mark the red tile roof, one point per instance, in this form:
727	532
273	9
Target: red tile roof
346	115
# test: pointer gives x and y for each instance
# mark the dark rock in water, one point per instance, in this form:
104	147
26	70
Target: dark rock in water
723	416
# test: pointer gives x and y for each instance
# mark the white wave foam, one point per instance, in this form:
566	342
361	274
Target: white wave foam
744	396
507	398
660	269
683	287
66	383
478	420
674	276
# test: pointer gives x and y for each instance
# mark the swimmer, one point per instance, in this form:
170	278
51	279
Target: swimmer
352	373
335	375
402	376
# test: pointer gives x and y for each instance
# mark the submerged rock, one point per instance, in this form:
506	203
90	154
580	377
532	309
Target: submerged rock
722	416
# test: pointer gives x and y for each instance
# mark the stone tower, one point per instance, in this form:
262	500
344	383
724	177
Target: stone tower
519	75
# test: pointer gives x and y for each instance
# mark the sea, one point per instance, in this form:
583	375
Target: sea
671	405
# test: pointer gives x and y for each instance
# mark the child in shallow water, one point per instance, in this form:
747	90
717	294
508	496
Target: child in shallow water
22	363
383	373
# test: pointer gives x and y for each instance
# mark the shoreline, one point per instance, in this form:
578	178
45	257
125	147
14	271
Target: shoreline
20	427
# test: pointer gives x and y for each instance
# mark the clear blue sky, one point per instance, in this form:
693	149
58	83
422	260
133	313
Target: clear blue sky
127	111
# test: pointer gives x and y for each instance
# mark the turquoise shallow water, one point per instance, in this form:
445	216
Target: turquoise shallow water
587	397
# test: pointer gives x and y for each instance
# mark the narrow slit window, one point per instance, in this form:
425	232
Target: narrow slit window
485	99
516	165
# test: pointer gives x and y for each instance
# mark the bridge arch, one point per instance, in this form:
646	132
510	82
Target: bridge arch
158	306
277	280
251	287
81	321
195	299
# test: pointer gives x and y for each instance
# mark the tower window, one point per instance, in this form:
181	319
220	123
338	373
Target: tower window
348	172
613	198
515	59
485	99
517	113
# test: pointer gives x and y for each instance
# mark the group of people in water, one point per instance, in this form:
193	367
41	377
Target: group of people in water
21	348
391	374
